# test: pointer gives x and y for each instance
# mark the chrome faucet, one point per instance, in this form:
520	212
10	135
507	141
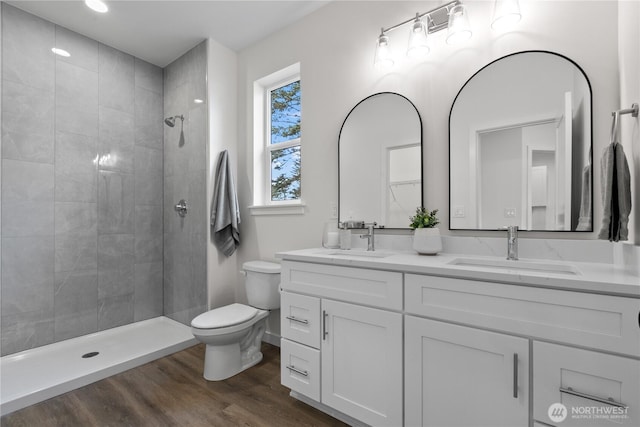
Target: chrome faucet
512	242
370	235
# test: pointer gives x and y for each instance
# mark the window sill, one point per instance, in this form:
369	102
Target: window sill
288	209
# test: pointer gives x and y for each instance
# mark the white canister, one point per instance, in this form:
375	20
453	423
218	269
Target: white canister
345	238
330	235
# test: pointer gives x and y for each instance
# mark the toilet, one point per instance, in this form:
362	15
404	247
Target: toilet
233	333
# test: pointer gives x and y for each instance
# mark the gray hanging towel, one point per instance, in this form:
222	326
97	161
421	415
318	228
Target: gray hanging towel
616	194
225	215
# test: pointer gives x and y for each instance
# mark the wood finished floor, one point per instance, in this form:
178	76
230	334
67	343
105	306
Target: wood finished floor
172	392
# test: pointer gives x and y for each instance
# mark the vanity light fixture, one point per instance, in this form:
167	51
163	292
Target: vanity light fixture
452	16
97	5
505	14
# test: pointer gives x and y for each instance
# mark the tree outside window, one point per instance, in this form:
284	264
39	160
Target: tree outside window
284	141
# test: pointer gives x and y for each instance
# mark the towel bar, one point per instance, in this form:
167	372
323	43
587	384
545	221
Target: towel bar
616	118
633	111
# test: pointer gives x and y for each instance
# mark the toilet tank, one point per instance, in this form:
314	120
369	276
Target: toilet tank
262	284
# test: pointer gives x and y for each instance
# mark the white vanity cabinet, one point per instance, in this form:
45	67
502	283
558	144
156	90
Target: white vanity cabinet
461	376
477	341
336	349
391	347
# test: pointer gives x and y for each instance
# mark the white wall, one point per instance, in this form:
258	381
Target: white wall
629	61
335	46
222	272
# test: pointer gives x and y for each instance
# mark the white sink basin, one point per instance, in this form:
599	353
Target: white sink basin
522	265
360	253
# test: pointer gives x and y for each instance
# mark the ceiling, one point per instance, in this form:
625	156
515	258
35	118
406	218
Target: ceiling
161	31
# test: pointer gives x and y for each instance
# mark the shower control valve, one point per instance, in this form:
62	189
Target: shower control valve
181	208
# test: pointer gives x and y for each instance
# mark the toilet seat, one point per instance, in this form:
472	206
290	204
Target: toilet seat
213	332
223	317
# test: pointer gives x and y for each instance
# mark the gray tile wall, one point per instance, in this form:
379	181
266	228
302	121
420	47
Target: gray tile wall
82	188
185	239
1	91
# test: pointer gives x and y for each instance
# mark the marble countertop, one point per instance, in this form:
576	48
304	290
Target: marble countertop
602	278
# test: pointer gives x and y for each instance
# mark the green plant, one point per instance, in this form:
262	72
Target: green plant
424	219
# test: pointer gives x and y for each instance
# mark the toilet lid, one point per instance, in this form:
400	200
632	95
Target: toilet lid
228	315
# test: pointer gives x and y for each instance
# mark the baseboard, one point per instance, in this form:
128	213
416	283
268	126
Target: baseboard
327	410
272	339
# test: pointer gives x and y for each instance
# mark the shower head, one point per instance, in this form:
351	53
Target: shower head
171	121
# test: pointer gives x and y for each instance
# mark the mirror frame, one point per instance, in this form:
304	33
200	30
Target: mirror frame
578	67
421	152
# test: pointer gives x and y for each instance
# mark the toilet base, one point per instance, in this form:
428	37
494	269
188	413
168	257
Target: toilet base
224	361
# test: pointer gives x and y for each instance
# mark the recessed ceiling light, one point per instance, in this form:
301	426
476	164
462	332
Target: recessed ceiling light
60	52
97	5
198	101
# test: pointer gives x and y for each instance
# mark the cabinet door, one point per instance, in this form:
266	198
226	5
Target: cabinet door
594	389
460	376
362	362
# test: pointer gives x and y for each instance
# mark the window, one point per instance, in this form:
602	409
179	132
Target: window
283	141
277	121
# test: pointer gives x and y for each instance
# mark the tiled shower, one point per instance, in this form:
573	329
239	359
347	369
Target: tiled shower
185	161
88	184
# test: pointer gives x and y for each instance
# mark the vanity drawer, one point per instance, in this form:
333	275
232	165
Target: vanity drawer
300	318
577	378
358	285
598	321
300	368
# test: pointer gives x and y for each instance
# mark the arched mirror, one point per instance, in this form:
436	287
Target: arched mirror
380	161
520	146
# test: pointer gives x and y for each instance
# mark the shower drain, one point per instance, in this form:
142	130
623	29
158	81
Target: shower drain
90	354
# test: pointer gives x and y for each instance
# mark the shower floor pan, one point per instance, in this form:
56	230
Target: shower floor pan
34	375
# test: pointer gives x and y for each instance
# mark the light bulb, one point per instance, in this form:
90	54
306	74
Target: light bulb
60	52
418	46
505	14
383	57
459	29
97	5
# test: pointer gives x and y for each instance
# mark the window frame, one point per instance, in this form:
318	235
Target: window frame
261	173
268	147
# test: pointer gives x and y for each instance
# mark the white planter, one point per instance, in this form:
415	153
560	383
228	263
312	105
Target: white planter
427	241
